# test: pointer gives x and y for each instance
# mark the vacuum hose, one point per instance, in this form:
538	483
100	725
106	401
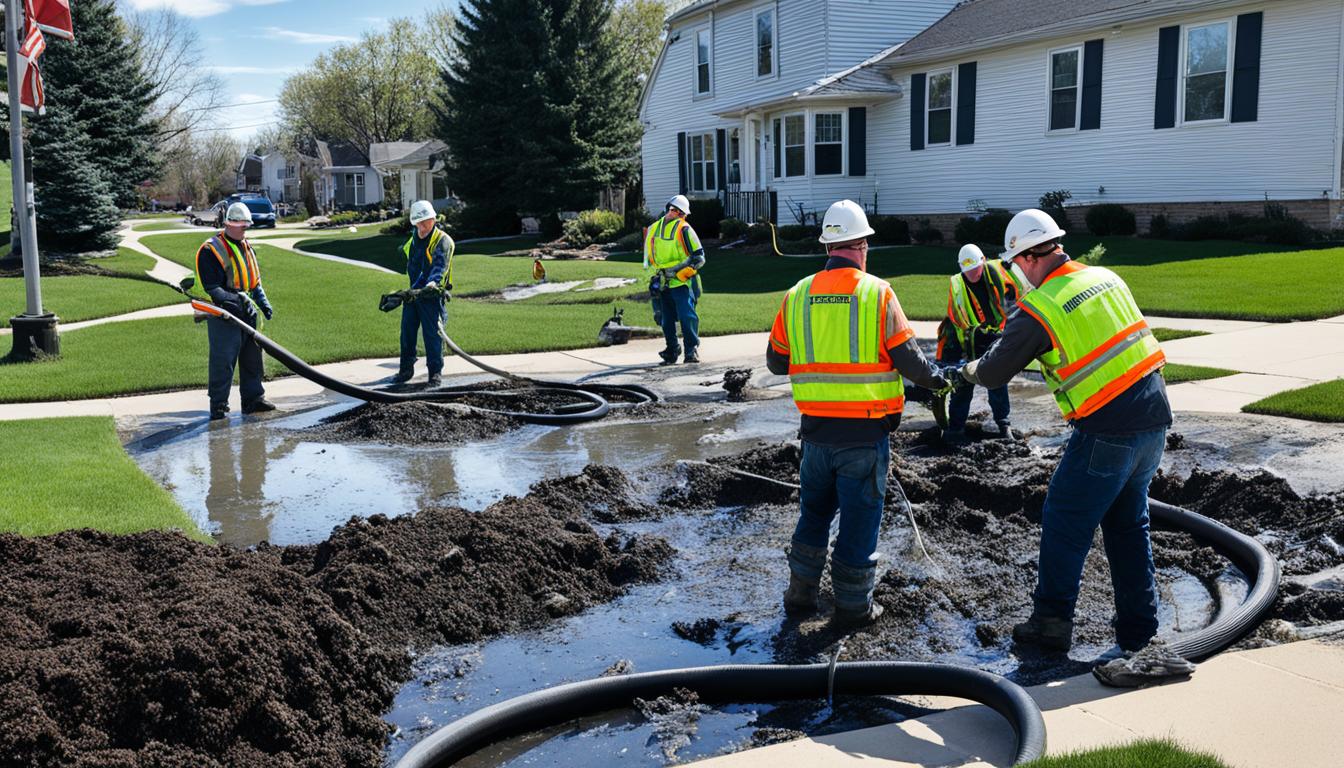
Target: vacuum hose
733	683
594	405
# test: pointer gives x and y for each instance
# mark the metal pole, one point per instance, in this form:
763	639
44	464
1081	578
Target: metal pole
23	194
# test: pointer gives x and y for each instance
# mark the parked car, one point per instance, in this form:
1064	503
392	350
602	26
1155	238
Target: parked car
263	213
212	216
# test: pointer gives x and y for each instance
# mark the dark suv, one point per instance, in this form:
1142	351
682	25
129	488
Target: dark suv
263	213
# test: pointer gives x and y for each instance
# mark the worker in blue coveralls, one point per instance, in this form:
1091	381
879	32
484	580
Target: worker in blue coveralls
429	264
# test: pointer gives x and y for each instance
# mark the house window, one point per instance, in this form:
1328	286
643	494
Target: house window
1065	80
703	166
1207	53
939	112
765	42
702	61
354	183
279	174
735	156
793	141
828	144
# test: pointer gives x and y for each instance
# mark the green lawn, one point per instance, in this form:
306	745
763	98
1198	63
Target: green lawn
6	200
1175	373
1140	754
159	226
84	297
1171	334
1318	402
385	250
75	474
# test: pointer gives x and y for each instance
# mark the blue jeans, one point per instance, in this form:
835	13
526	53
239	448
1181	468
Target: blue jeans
421	317
852	480
679	306
227	347
959	405
1102	480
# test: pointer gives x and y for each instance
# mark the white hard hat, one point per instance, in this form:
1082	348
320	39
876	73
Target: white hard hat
238	213
1029	229
680	203
969	257
844	221
421	210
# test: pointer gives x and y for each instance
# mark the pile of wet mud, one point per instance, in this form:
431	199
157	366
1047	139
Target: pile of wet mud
411	423
151	649
601	492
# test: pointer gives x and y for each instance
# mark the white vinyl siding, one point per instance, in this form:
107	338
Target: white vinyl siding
1066	80
1288	154
1206	60
938	108
704	62
828	143
766	65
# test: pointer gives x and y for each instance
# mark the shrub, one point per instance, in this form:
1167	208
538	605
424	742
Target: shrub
595	226
987	228
1279	227
1110	219
549	226
758	234
630	241
889	230
809	245
479	221
1053	204
1158	226
401	227
926	233
1093	256
705	215
732	229
798	232
636	219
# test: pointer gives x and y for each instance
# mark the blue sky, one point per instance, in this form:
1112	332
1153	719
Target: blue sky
255	44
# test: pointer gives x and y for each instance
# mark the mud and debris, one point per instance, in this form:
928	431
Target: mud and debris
735	381
601	492
411	423
675	719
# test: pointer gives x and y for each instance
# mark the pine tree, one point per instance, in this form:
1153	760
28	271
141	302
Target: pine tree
75	208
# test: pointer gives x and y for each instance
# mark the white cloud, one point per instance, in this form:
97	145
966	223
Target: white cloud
305	38
198	8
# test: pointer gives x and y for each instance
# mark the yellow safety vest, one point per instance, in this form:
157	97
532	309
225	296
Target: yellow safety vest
240	264
666	244
1101	344
435	235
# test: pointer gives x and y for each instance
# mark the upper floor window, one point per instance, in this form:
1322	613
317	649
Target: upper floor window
704	168
703	53
1065	80
1208	52
938	113
828	143
765	42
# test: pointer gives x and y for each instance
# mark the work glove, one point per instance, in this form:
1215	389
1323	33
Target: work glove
686	274
267	310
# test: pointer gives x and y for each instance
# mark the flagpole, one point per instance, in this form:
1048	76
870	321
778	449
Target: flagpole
34	331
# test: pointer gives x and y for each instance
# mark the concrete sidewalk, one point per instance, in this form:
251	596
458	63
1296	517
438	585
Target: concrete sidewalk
1279	707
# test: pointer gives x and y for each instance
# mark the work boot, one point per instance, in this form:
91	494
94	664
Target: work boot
800	599
848	618
1005	429
435	380
260	405
692	356
955	437
669	356
853	587
1047	632
218	411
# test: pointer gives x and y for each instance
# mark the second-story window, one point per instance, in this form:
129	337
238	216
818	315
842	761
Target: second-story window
1064	81
765	42
703	53
939	113
1207	56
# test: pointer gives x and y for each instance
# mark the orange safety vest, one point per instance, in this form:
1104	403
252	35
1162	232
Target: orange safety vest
240	264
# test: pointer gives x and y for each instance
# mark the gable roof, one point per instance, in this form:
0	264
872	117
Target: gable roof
341	154
402	153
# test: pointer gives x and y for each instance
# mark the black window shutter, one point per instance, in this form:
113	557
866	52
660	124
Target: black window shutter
1246	69
721	156
1168	60
858	141
917	111
966	103
681	163
1092	52
778	139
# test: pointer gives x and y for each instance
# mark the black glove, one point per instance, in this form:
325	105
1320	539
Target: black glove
267	310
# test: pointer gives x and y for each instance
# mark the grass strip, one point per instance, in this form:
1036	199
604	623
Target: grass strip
1318	402
1172	334
1176	373
1148	753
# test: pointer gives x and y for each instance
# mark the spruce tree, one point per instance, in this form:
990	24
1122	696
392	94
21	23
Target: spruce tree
75	208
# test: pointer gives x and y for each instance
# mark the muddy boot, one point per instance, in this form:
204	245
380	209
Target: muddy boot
692	356
669	356
260	405
805	566
854	604
218	411
401	377
435	381
1046	632
1005	429
955	438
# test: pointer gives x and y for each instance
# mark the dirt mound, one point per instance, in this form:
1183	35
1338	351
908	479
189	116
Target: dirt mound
599	491
412	423
735	380
710	484
63	267
154	650
447	575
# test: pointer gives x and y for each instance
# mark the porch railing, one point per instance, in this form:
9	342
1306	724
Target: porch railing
750	205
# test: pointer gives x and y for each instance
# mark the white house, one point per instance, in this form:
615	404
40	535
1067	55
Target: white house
1175	106
419	168
735	99
345	177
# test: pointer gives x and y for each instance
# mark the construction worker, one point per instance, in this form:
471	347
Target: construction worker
844	341
673	256
979	298
429	266
226	269
1102	364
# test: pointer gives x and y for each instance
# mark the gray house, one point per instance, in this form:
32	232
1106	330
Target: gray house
346	179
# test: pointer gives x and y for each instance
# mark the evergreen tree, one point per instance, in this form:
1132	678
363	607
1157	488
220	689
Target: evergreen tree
75	208
538	113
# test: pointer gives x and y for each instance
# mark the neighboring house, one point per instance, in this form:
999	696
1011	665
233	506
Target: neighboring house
419	168
1166	106
248	174
733	101
275	174
345	178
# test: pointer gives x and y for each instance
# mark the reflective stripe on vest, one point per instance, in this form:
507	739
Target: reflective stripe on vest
1101	344
665	246
838	366
435	235
240	265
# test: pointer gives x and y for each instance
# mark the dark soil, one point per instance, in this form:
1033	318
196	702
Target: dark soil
675	719
714	486
735	380
601	492
10	267
152	650
412	423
